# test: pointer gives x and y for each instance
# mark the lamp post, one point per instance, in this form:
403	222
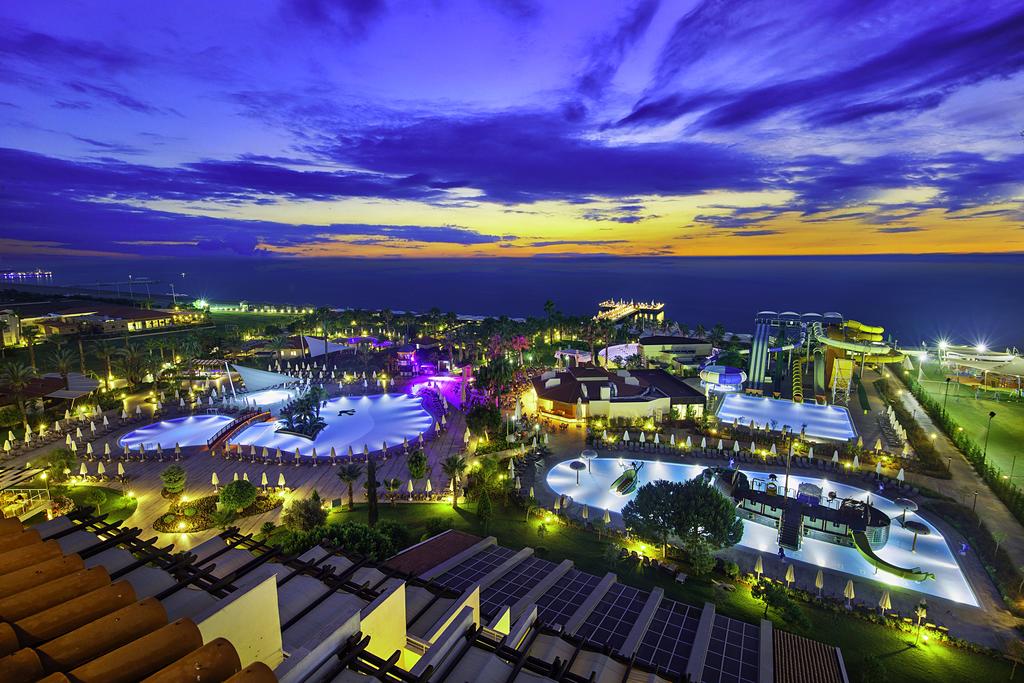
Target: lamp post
988	429
945	397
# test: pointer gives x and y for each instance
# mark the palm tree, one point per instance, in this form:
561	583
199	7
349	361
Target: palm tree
133	362
30	335
453	467
717	334
391	486
105	351
349	474
371	492
16	377
700	331
61	360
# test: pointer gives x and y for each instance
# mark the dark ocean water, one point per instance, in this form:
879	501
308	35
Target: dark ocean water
965	298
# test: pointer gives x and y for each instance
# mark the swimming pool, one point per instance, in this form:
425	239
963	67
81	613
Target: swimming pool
822	422
933	553
372	421
194	430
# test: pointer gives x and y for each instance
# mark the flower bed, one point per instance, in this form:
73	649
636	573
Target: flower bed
189	516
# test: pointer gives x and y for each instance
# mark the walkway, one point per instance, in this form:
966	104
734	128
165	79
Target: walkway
964	483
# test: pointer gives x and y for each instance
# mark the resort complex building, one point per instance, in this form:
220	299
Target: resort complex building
84	600
586	390
55	318
673	352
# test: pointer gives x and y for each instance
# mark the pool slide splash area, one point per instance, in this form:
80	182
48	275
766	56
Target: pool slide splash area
932	554
818	421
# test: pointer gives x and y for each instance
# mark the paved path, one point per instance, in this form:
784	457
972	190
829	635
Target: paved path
964	482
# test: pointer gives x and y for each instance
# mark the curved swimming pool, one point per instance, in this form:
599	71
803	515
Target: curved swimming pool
933	553
351	421
194	430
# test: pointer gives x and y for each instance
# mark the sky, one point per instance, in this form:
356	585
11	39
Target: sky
519	128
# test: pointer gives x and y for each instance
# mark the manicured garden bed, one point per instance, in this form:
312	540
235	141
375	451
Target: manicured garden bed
199	514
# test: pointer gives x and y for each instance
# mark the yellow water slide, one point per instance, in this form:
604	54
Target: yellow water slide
860	332
869	346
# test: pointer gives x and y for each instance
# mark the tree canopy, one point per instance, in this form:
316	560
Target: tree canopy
694	511
238	495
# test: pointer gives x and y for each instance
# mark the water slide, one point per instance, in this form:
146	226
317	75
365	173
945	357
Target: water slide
870	352
860	542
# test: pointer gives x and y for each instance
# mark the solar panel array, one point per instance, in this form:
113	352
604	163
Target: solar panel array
732	655
614	616
668	640
475	568
514	584
565	597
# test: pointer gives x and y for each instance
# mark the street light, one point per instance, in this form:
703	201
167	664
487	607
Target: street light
988	429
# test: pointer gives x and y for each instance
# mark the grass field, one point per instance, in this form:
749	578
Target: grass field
858	639
972	414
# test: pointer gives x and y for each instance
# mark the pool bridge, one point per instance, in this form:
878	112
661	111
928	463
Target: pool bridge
241	422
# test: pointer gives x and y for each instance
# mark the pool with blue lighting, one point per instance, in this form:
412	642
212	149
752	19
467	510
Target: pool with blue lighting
933	554
821	422
354	422
194	430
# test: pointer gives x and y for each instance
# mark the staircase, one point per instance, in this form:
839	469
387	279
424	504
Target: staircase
791	528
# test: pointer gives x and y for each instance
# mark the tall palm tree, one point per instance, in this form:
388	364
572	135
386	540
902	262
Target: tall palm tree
700	331
717	334
16	377
349	474
105	351
30	335
61	360
371	492
454	466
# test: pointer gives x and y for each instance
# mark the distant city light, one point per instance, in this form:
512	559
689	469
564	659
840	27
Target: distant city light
202	303
943	345
981	347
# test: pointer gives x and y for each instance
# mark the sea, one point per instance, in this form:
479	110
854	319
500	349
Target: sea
963	298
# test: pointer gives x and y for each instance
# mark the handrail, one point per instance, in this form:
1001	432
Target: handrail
242	420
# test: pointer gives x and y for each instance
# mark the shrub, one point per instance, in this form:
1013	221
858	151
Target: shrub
238	495
173	479
169	519
731	569
190	512
701	559
438	525
58	461
305	515
396	532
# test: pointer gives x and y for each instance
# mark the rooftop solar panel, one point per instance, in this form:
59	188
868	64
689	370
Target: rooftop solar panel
565	597
668	640
614	616
514	584
475	568
732	655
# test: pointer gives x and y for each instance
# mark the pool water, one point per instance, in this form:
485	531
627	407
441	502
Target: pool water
822	422
933	553
194	430
373	421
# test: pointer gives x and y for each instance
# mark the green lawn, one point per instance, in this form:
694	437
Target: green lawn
858	639
972	414
117	507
